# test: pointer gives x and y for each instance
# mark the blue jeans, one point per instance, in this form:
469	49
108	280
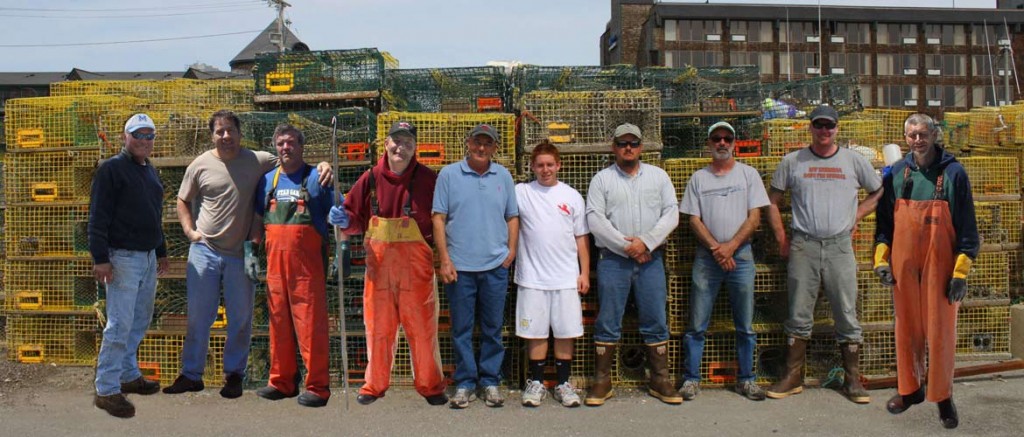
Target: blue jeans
708	277
483	294
207	270
616	276
129	310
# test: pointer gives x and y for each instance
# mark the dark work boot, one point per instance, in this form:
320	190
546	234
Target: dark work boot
182	384
140	386
852	387
899	403
116	405
947	414
792	381
660	386
601	388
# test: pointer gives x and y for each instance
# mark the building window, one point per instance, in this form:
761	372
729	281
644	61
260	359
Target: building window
698	30
797	32
798	63
695	58
944	34
978	36
885	65
983	95
854	33
849	63
945	65
897	33
865	95
764	63
947	96
980	65
751	31
897	95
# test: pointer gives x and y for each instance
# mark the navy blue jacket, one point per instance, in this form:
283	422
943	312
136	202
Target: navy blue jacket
126	209
956	190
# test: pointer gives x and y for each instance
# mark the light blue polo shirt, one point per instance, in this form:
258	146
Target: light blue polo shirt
477	207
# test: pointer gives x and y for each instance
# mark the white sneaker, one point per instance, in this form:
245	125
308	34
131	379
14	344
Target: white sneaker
566	394
534	393
492	396
461	398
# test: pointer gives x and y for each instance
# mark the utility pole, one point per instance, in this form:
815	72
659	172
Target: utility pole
280	5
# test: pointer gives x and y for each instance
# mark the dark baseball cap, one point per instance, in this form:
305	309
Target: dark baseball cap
484	129
826	112
402	127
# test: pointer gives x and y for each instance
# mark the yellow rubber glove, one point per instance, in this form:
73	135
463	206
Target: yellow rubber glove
882	269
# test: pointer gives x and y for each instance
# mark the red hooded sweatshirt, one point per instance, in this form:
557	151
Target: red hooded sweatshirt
392	192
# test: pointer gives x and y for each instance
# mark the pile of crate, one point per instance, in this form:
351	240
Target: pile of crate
53	147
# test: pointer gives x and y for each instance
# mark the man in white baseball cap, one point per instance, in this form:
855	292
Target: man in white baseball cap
126	242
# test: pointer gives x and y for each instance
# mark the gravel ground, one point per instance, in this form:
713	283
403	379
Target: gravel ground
57	401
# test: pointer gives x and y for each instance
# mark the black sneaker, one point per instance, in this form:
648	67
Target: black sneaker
365	399
116	405
140	386
273	394
439	399
308	399
182	385
232	386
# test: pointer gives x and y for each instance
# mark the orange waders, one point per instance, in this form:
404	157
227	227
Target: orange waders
297	295
400	289
923	248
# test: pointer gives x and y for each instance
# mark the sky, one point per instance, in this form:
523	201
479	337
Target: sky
58	35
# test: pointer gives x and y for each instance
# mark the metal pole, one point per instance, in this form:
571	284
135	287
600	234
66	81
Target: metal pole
991	68
1013	60
339	238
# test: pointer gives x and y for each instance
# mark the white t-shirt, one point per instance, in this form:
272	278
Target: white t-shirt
550	219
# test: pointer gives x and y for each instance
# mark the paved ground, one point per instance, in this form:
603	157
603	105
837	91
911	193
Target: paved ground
56	401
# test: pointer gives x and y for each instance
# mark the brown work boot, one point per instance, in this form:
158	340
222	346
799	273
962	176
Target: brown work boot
792	381
601	388
116	405
852	387
660	385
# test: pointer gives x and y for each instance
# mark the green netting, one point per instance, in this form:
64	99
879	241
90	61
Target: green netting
707	89
685	136
327	71
468	89
527	78
839	91
355	134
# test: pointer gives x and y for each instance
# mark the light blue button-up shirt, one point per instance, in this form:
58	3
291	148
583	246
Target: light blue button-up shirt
620	205
478	208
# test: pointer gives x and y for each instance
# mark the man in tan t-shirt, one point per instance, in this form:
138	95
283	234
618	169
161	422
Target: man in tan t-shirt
221	183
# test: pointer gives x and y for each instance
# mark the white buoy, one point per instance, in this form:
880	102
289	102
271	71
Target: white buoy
891	154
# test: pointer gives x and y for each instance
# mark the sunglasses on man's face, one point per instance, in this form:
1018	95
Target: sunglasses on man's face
823	125
624	144
717	138
142	136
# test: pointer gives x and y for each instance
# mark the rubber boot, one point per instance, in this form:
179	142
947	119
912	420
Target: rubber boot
660	386
852	387
601	388
947	414
792	381
898	404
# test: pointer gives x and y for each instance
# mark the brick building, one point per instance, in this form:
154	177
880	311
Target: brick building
926	59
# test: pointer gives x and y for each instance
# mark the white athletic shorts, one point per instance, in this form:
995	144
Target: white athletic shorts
543	312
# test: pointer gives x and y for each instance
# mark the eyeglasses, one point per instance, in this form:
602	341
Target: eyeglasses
716	139
823	125
142	136
624	144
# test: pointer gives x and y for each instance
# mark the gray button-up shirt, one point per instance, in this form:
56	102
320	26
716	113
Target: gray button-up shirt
620	205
